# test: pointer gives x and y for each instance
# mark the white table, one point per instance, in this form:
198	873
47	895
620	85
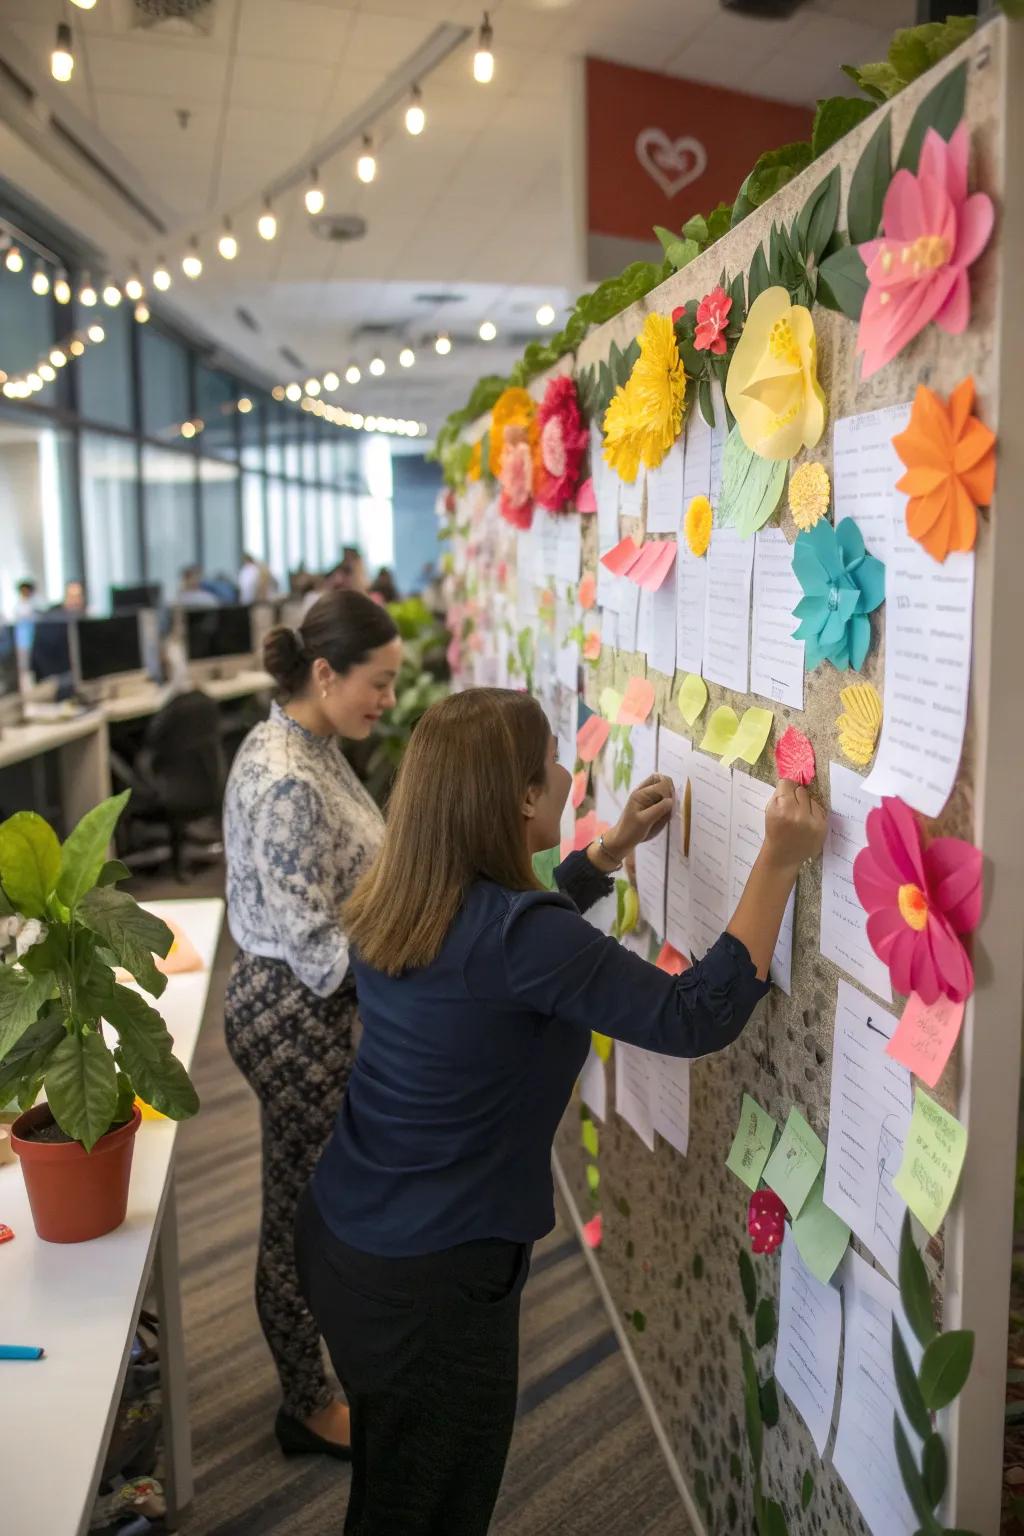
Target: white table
81	1301
147	700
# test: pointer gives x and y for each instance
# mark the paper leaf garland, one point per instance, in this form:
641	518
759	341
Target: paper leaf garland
693	696
637	702
772	387
951	469
697	526
728	737
794	756
860	722
842	584
591	737
751	486
919	903
809	494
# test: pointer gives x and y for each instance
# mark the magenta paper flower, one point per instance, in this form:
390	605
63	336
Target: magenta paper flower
917	271
563	442
766	1221
712	319
919	901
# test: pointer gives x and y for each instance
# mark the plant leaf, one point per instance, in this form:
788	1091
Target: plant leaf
764	1322
843	282
81	1087
769	1397
112	872
759	277
752	1403
146	1051
125	1099
21	997
667	237
854	72
945	1367
696	228
906	1385
774	169
742	206
719	222
933	1468
131	934
915	1292
869	184
817	218
705	401
834	119
85	851
773	1519
681	252
941	109
28	1058
912	1480
29	862
806	1490
748	1280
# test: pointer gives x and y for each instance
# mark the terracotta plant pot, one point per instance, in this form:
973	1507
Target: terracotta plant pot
75	1195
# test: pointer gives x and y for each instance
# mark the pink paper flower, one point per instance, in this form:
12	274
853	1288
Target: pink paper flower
918	902
563	441
516	479
593	1231
766	1221
712	319
917	271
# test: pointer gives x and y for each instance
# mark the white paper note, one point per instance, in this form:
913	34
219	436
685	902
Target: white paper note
564	727
869	1111
865	468
697	473
631	497
629	613
650	857
674	752
727	610
609	627
665	492
810	1333
864	1454
645	622
670	1076
567	548
749	798
567	657
661	649
719	433
593	1086
710	851
691	587
776	659
844	938
634	1090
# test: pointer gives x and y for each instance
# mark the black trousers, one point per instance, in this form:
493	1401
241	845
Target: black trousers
427	1350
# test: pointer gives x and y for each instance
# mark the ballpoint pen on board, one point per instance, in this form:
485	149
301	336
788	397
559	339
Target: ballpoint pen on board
21	1352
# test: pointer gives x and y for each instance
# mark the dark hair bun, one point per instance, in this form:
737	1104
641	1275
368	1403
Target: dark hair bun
285	659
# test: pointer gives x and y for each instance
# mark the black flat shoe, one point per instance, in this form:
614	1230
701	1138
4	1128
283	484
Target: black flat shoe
295	1439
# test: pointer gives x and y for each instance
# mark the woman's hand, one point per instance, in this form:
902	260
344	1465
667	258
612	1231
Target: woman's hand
794	826
647	811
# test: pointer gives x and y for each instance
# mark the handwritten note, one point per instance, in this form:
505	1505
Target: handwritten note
634	1090
807	1353
749	798
821	1236
925	1036
674	752
697	476
710	850
869	1112
593	1089
651	856
568	653
865	468
793	1166
671	1099
844	937
864	1454
776	659
719	433
932	1160
631	496
752	1144
661	646
665	492
691	586
568	543
727	611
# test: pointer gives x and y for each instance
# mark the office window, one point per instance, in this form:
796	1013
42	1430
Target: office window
38	533
166	400
219	519
103	374
277	545
329	455
252	427
217	408
311	527
293	525
330	528
169	489
254	515
26	325
310	459
278	421
110	527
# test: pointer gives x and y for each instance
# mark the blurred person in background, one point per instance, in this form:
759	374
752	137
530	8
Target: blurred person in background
191	592
384	586
349	575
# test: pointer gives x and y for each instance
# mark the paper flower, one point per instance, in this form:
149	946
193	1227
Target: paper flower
794	756
563	442
646	414
516	478
860	722
951	469
475	469
918	903
593	1231
587	591
712	319
772	387
766	1221
621	434
513	407
842	585
592	646
931	233
809	493
697	525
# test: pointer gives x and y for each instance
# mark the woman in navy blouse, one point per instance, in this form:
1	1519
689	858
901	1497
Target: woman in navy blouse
478	991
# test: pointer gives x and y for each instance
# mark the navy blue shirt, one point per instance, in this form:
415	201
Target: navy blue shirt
466	1065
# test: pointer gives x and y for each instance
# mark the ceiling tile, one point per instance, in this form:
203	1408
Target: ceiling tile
293	29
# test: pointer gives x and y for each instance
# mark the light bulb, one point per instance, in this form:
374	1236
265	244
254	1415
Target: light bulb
488	330
111	295
87	294
314	196
34	382
352	374
483	59
188	429
14	261
40	280
443	345
415	117
331	381
192	262
133	288
293	392
545	315
407	357
62	60
266	224
96	333
161	276
47	372
312	386
142	312
366	165
62	288
76	348
245	405
84	5
377	366
355	420
227	245
278	392
370	424
57	358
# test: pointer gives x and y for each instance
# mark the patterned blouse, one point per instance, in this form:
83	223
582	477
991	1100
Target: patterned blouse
299	829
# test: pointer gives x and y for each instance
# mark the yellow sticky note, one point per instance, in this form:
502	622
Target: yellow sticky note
721	730
611	703
749	740
933	1156
693	696
602	1044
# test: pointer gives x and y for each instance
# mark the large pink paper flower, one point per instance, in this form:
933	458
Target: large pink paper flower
918	902
712	319
563	441
917	271
516	478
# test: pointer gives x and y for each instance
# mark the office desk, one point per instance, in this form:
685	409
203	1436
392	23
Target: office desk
84	757
80	1302
146	701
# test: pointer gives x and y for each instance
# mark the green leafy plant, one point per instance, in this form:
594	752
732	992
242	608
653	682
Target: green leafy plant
912	53
56	993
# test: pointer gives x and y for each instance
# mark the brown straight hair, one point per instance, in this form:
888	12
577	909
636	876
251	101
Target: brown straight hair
455	815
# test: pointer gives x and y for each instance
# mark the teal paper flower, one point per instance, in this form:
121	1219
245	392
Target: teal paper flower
842	585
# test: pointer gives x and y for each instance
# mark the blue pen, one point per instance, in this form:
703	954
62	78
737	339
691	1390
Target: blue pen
20	1352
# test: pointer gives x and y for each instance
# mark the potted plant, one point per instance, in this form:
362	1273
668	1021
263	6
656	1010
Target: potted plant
64	927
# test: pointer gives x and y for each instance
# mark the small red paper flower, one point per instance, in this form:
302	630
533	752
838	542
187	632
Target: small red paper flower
766	1221
794	756
712	319
593	1231
563	441
678	313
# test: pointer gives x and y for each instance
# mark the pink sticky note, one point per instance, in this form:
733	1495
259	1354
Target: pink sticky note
587	591
637	702
671	960
586	500
593	1231
592	646
587	828
925	1036
591	737
659	562
623	557
579	788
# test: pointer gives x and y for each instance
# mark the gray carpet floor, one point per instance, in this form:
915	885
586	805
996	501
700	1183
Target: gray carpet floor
583	1460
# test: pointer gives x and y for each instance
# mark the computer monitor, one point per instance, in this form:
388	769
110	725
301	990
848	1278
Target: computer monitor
10	682
51	651
108	647
127	599
212	633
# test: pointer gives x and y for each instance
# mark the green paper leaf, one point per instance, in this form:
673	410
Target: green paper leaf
879	81
719	222
933	1468
29	862
667	237
912	1480
941	109
638	1320
769	1396
773	1519
759	277
817	218
914	50
590	1138
681	252
843	282
593	1178
764	1322
869	184
835	117
806	1490
742	206
81	1087
132	935
945	1367
84	852
906	1385
774	169
752	1404
22	996
696	228
748	1281
751	486
705	401
915	1292
146	1053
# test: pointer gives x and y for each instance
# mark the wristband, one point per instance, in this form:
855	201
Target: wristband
601	844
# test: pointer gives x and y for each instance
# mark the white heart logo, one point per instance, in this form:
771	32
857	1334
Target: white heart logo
673	165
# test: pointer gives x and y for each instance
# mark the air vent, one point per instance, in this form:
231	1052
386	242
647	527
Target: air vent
439	298
191	15
248	320
338	228
289	357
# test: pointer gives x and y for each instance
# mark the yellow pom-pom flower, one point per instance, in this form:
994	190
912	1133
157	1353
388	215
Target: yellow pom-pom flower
697	525
809	494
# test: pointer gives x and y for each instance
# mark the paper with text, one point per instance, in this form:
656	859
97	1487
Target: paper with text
730	562
568	539
865	469
810	1333
844	938
661	646
776	659
710	850
670	1077
691	585
794	1164
634	1090
665	492
749	798
650	856
932	1160
752	1144
674	753
593	1088
629	614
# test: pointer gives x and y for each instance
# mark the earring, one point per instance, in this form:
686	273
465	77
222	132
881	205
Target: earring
323	693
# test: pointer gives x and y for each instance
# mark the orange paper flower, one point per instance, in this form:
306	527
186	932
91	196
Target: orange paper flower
951	469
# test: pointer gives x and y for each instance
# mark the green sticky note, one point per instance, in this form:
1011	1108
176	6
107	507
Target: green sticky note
933	1156
593	1178
693	695
721	730
590	1137
821	1236
752	1143
795	1163
544	866
751	736
611	703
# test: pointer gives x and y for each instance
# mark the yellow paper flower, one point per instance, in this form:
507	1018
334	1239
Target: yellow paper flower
475	469
860	722
646	415
772	388
697	525
621	436
514	407
809	492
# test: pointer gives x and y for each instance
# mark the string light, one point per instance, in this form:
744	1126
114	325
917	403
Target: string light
443	345
14	261
266	224
312	387
483	59
84	5
377	366
40	280
34	382
57	358
331	381
366	165
161	276
415	117
227	245
142	312
407	357
545	315
87	293
61	287
62	60
488	330
314	194
188	429
96	333
352	374
76	347
245	405
133	288
293	392
278	392
192	262
47	372
111	295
